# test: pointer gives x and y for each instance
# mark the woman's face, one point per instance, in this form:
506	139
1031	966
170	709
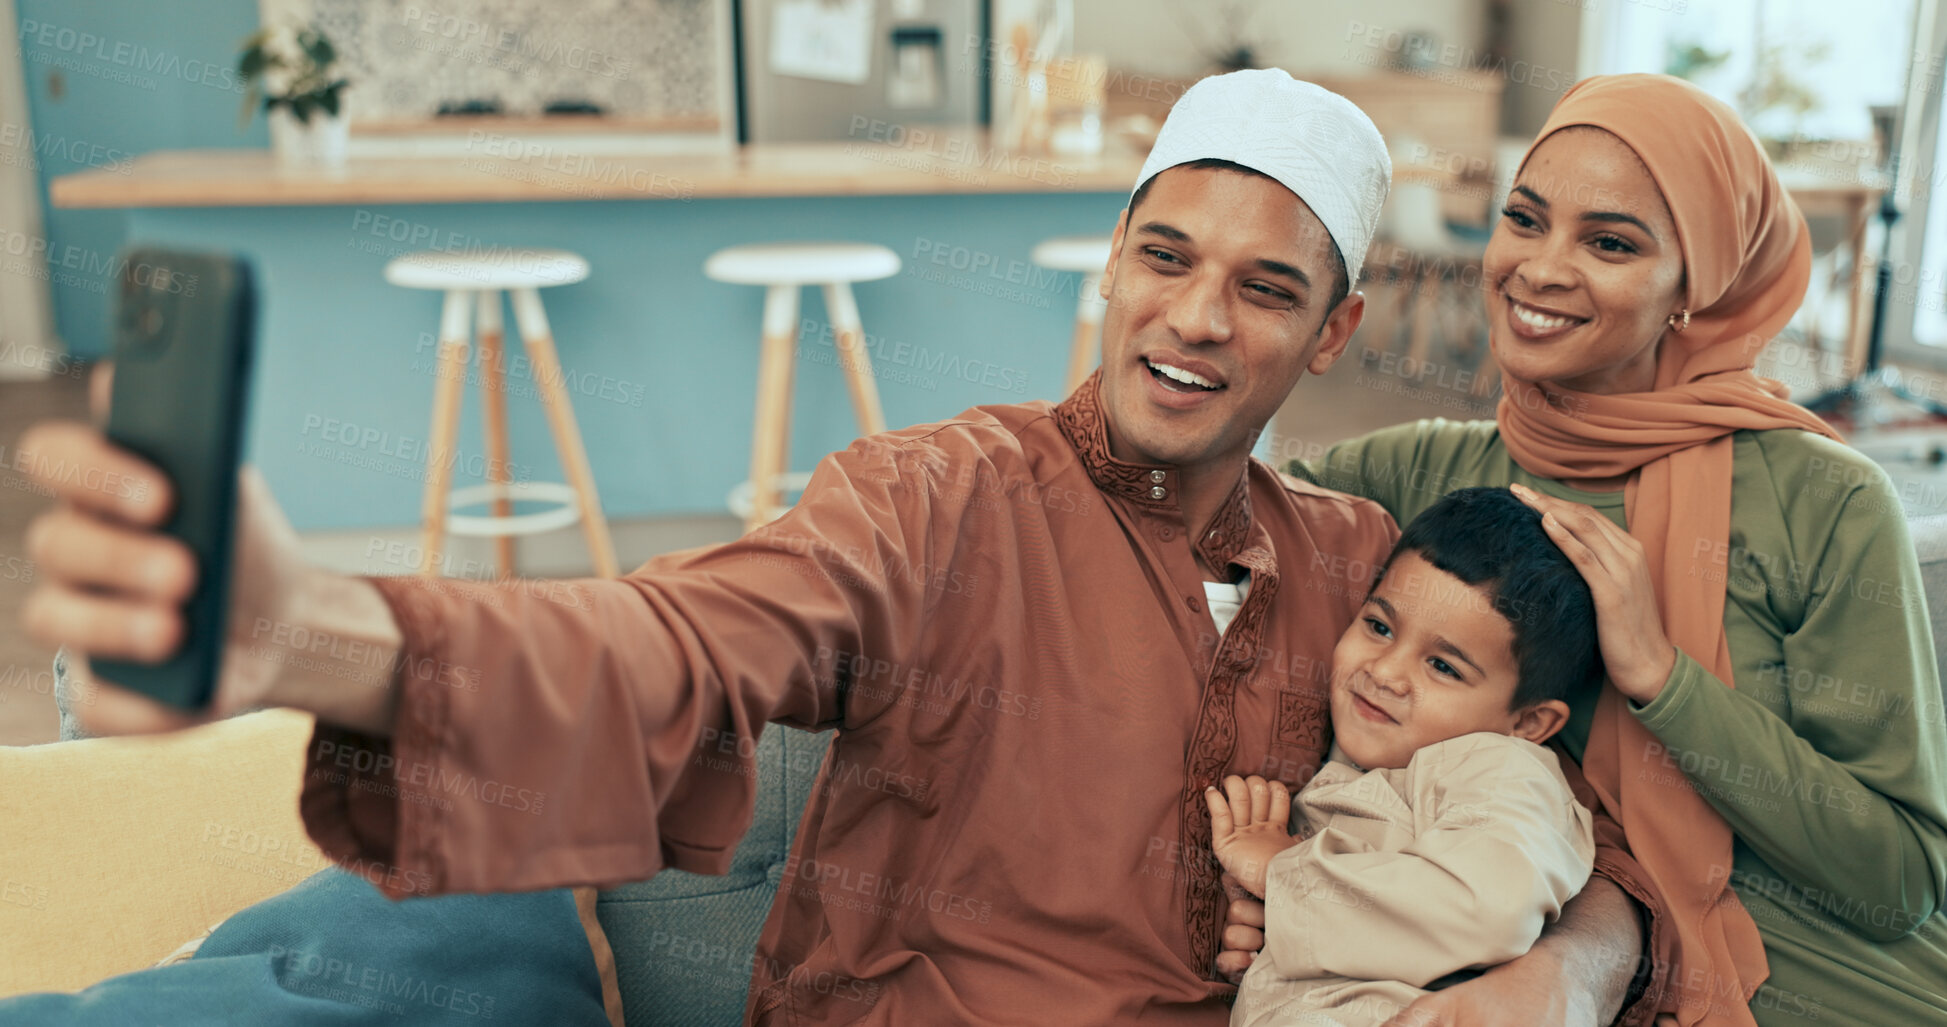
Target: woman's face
1583	269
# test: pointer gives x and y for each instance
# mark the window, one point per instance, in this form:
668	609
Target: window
1813	70
1808	69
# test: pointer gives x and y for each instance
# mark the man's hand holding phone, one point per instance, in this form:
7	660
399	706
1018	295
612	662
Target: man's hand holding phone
112	584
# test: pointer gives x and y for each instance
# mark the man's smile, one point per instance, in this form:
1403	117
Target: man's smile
1184	375
1182	383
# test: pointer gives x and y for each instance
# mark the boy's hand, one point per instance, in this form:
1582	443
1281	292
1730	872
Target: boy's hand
1248	826
1243	931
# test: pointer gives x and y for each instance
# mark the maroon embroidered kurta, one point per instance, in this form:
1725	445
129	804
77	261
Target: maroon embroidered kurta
1006	627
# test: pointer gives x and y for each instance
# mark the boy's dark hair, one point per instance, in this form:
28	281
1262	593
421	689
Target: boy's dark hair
1341	283
1491	540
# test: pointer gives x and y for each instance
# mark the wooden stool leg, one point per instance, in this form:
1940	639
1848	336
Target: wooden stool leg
445	430
493	396
1855	347
849	338
1082	352
1376	332
1487	372
1405	287
535	335
771	430
1424	296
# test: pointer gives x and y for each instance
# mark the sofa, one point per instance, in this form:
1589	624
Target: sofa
683	943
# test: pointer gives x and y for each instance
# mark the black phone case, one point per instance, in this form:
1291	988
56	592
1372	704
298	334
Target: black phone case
185	325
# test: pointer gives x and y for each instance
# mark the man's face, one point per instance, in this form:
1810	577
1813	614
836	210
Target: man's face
1216	289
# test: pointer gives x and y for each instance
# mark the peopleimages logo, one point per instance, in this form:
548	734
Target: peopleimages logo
59	44
345	980
882	895
435	781
577	172
463	32
1397	45
16	140
91	265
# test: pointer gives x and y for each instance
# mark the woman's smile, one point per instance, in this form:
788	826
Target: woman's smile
1536	323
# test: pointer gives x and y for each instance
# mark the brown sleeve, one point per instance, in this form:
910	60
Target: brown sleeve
554	733
1614	861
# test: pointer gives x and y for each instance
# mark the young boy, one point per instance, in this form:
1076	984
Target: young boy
1441	836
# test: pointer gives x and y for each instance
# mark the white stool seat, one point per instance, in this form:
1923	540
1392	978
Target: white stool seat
566	510
498	268
743	496
1088	254
802	263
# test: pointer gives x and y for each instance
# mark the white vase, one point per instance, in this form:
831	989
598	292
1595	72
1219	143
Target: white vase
317	145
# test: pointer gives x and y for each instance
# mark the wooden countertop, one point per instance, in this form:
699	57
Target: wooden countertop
509	169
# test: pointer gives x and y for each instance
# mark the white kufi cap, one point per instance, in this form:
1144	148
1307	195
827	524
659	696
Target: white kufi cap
1315	142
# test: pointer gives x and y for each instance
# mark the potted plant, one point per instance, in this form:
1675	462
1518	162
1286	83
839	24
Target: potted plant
1777	100
293	71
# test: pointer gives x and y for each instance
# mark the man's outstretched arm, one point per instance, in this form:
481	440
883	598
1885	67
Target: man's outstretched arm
520	734
552	733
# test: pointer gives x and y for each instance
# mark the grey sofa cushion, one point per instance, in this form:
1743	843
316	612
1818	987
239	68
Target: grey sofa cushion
683	943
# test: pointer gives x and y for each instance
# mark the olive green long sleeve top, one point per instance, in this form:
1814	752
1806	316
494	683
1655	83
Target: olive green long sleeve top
1829	758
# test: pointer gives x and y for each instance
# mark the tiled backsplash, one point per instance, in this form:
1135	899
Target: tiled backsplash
633	58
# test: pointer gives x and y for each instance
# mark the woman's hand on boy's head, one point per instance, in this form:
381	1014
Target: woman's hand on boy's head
1249	824
1636	652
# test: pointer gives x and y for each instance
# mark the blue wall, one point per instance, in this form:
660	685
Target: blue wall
664	360
135	76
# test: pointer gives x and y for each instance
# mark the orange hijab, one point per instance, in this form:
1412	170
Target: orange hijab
1747	258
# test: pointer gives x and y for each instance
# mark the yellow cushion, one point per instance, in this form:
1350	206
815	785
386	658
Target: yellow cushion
115	851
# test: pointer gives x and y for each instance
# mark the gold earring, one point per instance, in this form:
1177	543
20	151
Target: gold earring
1674	326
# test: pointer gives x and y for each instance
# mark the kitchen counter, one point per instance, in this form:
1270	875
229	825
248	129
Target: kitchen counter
498	167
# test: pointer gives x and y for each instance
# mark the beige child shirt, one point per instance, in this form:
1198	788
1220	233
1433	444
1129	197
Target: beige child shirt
1407	876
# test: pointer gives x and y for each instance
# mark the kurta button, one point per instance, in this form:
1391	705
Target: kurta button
1166	533
1196	605
1157	476
1158	491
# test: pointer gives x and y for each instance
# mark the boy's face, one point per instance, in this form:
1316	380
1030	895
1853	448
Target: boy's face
1428	659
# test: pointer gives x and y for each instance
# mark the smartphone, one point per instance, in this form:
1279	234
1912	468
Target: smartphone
185	326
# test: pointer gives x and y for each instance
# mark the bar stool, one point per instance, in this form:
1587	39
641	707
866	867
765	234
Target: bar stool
783	269
477	281
1088	254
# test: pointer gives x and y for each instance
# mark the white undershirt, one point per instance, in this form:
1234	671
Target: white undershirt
1225	600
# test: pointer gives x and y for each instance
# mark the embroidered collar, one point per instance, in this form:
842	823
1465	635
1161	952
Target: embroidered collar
1148	486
